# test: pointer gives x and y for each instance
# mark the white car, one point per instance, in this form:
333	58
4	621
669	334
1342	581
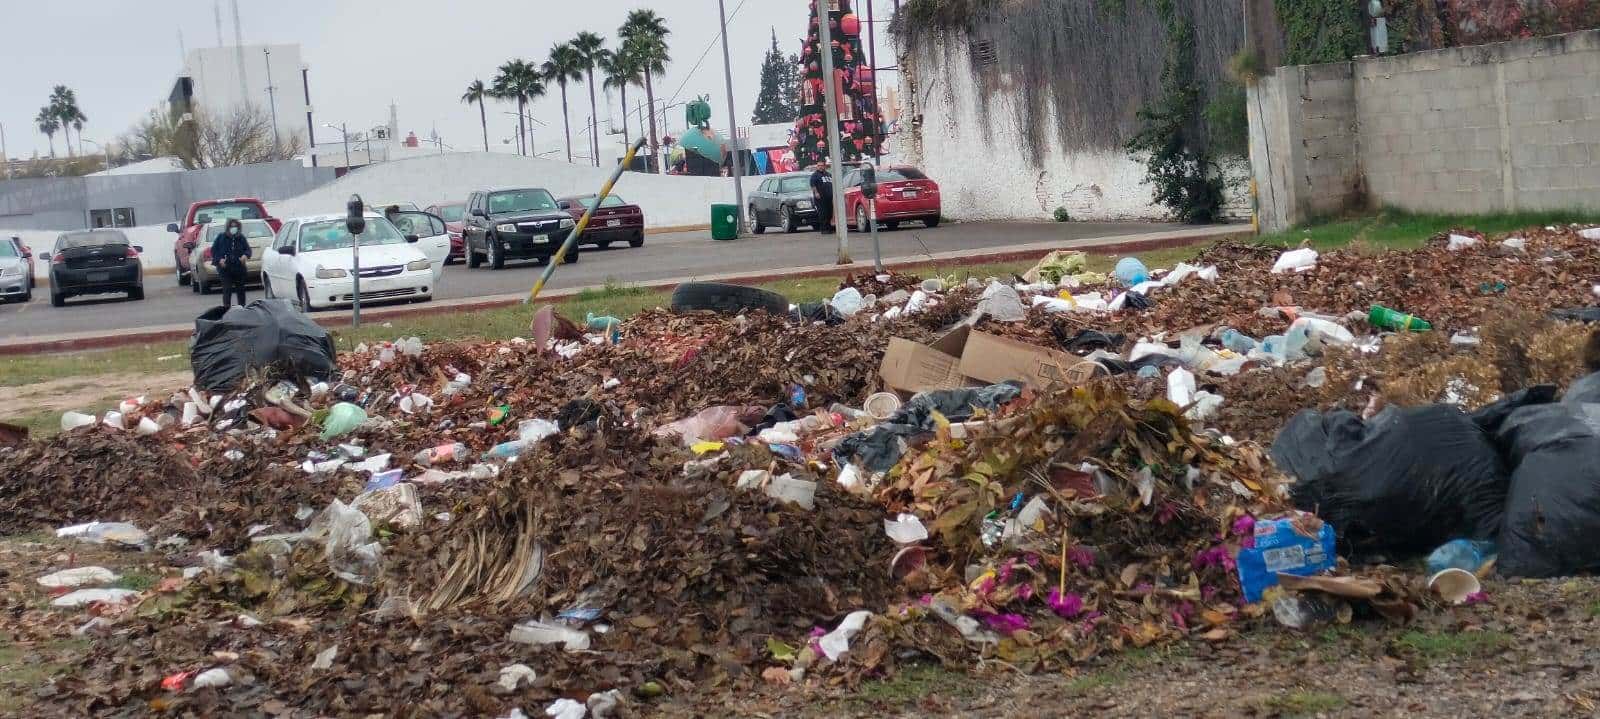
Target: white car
311	259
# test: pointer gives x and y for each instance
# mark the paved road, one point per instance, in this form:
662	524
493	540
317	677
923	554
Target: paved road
664	256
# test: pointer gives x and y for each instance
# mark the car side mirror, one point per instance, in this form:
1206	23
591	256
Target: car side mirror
287	251
412	238
139	249
478	212
44	257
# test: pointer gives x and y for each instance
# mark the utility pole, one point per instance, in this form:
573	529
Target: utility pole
311	128
5	158
733	126
272	99
830	108
872	62
238	51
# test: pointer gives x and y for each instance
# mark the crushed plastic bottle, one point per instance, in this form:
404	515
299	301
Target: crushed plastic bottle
1388	319
1276	346
1130	271
1238	341
993	529
1465	554
1305	611
441	454
1308	336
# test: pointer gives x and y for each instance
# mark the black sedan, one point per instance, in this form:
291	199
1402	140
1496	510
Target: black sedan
523	223
94	262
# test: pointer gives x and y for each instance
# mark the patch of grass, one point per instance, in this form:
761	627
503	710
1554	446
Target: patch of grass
17	370
1594	610
1398	229
137	580
1450	645
24	669
913	683
1085	683
1305	703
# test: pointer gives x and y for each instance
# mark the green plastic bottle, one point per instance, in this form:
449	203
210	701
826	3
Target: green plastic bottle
1385	318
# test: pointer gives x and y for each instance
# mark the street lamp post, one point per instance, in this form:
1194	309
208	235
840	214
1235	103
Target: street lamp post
830	109
272	100
733	126
103	148
344	135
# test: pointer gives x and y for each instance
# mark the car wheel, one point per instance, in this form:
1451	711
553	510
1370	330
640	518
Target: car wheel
726	298
303	295
789	223
861	219
755	222
183	278
497	256
931	221
637	240
571	259
27	294
603	244
266	288
474	260
57	299
890	225
136	293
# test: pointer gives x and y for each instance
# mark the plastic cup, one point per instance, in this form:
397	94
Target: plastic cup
1454	585
882	405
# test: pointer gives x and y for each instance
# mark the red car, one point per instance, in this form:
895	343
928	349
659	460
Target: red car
614	221
204	213
904	194
453	214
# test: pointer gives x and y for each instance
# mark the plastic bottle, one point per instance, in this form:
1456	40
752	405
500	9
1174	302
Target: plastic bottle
441	454
1131	271
1466	554
1305	611
1275	345
506	450
1385	318
1238	341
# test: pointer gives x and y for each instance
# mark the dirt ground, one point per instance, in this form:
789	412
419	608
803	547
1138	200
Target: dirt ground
85	393
1526	651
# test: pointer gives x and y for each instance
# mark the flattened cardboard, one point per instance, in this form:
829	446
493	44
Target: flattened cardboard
963	358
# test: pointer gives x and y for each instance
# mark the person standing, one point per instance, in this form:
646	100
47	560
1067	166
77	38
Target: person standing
228	254
822	197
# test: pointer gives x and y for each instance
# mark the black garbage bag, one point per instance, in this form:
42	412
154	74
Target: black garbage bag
1552	513
265	334
1403	482
879	449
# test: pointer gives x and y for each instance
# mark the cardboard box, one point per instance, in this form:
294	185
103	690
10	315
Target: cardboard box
965	357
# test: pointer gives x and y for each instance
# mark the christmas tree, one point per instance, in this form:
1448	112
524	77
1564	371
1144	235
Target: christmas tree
780	87
859	120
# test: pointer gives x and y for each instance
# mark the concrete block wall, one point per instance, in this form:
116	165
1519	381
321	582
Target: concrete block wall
1490	128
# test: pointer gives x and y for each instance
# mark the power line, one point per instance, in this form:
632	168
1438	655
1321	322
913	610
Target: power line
705	52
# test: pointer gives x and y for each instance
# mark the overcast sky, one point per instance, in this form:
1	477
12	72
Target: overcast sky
121	57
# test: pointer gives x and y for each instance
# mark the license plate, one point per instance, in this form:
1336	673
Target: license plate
909	193
613	223
540	239
99	276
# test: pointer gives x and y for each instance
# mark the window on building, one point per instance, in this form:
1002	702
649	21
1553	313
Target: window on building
119	217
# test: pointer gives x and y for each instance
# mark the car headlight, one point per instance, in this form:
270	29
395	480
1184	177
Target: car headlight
567	223
803	205
505	228
418	265
330	273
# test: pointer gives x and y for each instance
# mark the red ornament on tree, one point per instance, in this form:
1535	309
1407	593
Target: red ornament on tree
850	24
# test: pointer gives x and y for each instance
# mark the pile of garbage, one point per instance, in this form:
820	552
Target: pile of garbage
1040	469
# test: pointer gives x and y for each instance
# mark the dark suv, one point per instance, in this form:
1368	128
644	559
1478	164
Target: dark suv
94	262
510	224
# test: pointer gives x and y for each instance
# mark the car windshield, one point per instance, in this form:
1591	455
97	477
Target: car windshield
452	213
90	239
901	173
611	201
332	235
8	250
501	203
253	230
796	184
225	211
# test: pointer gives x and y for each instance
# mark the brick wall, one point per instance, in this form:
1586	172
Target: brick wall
1488	128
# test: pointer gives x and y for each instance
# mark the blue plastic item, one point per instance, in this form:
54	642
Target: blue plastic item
1131	271
1238	341
1466	554
1280	548
1276	345
797	397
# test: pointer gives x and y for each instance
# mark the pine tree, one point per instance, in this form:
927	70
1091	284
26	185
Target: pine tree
776	103
860	123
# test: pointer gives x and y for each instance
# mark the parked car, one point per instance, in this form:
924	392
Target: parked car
614	221
402	206
904	193
94	262
783	201
204	213
454	216
311	260
257	232
16	271
516	223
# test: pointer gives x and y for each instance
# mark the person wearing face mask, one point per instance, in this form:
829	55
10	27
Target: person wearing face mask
228	253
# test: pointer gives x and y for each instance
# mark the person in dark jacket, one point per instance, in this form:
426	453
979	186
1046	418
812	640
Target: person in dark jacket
822	196
228	253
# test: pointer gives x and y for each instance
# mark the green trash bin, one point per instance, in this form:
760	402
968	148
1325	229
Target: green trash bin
724	222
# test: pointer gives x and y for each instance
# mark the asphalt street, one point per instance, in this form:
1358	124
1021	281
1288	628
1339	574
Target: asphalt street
663	256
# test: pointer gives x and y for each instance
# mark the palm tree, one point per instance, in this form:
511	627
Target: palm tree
592	48
476	92
48	123
621	70
64	105
508	85
644	33
565	65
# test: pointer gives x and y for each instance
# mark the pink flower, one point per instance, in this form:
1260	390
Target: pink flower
1031	559
1005	570
1091	619
1066	606
1025	592
1166	513
1217	556
927	600
986	586
1081	557
1475	598
1006	624
1244	526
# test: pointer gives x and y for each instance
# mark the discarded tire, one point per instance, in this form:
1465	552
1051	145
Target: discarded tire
720	297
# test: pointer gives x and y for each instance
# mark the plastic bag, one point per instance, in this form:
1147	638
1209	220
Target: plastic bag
344	531
713	423
342	418
266	333
1406	481
1131	272
1299	260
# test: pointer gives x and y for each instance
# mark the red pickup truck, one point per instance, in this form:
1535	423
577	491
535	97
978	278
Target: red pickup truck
208	211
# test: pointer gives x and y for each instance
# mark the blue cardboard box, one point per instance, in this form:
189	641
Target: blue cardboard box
1280	547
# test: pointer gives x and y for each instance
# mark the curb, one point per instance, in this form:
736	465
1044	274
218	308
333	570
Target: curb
335	320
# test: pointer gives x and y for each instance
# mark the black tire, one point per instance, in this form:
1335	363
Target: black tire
497	256
474	260
890	225
931	222
266	287
57	299
603	244
136	294
790	224
726	298
303	296
755	222
637	240
861	219
200	286
572	257
27	295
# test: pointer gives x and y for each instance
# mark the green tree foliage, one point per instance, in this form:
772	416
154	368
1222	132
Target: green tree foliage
1177	163
780	87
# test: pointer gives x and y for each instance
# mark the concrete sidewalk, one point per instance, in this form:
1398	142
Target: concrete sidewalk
341	318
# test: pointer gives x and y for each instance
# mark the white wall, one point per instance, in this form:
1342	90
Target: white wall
667	201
